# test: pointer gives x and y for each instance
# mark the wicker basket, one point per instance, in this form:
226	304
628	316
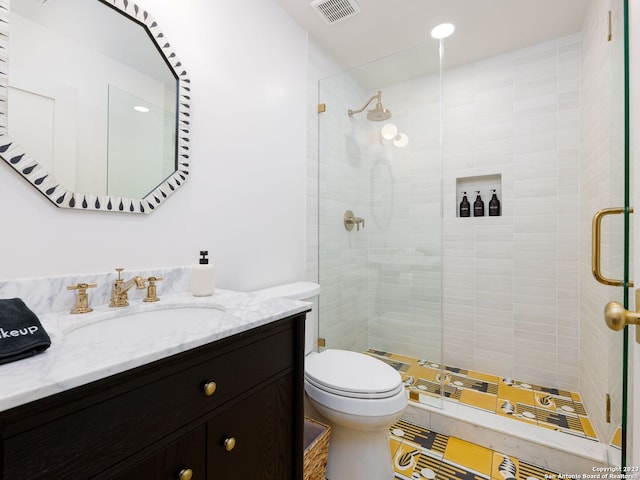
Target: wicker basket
316	449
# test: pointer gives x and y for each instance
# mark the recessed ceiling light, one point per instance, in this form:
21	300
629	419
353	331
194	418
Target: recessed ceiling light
443	30
140	108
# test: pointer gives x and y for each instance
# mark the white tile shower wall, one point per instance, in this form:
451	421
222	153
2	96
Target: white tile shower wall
511	282
601	179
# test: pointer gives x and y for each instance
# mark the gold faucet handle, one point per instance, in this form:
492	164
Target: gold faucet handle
151	289
82	297
119	270
82	286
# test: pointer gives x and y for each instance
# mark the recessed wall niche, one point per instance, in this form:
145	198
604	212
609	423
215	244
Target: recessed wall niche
485	185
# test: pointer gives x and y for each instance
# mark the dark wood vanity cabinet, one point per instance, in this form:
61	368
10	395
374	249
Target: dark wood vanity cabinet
158	420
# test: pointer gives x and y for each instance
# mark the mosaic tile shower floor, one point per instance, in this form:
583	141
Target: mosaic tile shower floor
420	454
545	407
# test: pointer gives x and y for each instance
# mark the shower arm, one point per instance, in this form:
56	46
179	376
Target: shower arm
378	96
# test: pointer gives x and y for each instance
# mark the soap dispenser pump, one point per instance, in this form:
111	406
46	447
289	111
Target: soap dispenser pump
494	205
202	279
465	206
478	206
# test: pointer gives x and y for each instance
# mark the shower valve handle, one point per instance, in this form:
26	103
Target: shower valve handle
350	220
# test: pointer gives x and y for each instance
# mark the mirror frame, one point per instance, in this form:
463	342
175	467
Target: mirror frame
41	179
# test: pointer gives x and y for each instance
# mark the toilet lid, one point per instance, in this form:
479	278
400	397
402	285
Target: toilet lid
352	374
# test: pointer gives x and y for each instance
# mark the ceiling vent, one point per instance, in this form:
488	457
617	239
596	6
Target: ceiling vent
334	11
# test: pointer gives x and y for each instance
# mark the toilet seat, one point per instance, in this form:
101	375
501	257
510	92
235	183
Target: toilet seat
352	374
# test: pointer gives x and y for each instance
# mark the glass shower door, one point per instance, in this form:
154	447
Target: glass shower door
381	277
612	245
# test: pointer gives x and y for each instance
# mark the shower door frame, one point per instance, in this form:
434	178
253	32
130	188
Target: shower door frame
632	393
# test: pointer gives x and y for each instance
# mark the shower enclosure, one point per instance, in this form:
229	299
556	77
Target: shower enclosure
512	295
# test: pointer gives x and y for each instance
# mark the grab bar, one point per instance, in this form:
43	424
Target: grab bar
595	246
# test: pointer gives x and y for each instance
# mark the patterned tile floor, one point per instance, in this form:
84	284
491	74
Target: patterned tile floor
419	454
539	405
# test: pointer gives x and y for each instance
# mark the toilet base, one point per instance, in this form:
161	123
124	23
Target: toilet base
356	453
359	455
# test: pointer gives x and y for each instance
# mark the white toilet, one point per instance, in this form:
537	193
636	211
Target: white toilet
359	396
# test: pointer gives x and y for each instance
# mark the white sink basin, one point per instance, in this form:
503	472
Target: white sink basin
128	331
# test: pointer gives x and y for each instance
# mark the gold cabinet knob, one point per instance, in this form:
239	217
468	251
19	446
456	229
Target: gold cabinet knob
210	388
185	474
229	443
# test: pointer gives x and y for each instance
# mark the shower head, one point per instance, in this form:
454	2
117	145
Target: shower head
378	113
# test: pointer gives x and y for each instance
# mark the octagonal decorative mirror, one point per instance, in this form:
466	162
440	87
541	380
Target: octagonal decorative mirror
94	104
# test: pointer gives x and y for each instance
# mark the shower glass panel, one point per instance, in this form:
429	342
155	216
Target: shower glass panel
618	240
381	279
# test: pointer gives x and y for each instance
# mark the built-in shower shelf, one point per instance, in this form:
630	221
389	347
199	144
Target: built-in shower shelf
485	184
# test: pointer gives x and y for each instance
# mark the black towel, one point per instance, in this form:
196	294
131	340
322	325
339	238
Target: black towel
21	334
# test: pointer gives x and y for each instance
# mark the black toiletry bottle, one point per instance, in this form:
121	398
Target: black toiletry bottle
465	206
478	206
494	205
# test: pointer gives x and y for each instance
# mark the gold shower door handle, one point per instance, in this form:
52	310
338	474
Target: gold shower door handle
617	317
595	246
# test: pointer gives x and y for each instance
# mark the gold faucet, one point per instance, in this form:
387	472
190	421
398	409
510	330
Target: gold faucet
82	298
119	297
152	295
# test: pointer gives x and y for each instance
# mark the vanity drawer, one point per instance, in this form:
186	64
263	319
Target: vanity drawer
105	432
186	453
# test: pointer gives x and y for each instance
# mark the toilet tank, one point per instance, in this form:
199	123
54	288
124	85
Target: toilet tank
305	291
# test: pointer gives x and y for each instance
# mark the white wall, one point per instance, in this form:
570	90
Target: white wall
244	201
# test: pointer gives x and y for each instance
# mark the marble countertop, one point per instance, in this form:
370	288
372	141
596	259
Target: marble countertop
67	364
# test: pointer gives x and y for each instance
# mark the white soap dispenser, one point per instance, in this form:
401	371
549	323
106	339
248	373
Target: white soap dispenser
202	280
